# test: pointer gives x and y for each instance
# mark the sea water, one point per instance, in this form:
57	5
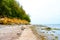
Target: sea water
57	32
54	32
53	25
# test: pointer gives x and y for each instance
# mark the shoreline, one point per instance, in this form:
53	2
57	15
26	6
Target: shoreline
23	32
39	37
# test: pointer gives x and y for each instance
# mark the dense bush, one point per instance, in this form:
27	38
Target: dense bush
11	9
6	20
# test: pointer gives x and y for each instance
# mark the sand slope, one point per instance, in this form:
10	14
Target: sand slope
27	34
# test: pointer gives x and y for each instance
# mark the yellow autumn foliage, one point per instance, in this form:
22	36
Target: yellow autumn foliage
6	20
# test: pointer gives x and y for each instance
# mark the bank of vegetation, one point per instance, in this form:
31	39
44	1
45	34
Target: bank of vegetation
10	10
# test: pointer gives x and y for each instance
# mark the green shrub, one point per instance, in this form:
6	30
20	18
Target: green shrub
11	9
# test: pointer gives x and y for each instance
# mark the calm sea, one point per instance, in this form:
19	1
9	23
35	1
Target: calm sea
57	32
53	25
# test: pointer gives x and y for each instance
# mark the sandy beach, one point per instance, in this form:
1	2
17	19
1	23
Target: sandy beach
21	33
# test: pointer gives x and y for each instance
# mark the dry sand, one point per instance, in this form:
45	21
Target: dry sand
9	33
27	34
17	33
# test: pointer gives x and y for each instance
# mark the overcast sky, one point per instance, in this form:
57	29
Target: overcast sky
42	11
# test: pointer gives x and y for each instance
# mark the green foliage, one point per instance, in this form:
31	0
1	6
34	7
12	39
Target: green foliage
48	28
11	9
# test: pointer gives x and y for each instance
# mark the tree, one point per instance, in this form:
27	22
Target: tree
11	9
